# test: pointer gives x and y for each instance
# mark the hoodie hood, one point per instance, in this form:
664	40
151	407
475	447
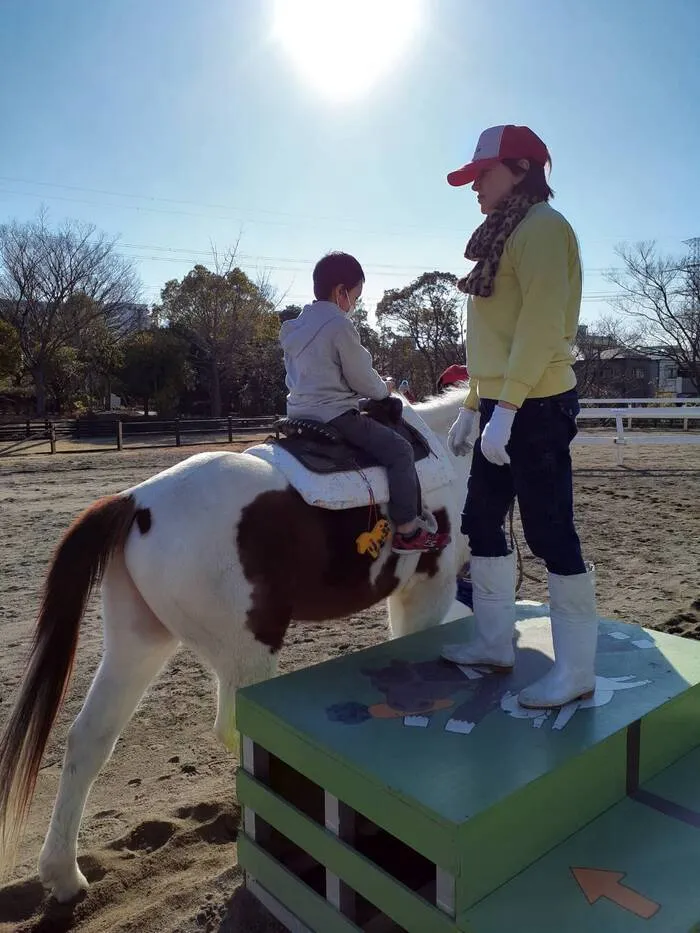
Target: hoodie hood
298	334
328	369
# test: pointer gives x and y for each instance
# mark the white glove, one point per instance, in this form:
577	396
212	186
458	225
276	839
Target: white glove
458	438
496	435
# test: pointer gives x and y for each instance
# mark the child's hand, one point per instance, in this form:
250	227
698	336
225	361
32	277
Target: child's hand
390	384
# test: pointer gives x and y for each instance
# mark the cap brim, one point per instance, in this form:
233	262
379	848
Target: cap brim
469	173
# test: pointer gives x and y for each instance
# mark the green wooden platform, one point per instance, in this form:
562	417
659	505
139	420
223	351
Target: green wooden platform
387	790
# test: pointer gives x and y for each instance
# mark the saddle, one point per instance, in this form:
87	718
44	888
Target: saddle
330	473
322	449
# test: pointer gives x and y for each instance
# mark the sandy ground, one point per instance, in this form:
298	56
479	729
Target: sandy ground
158	840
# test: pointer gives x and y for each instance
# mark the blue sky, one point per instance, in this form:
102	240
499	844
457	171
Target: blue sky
177	123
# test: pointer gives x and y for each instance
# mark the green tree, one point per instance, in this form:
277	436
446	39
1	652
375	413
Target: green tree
10	351
155	369
220	314
429	314
370	338
101	351
289	313
65	377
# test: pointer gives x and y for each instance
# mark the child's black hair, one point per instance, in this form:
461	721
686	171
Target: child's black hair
336	269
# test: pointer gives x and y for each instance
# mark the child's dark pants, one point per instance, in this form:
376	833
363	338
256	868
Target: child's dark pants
393	452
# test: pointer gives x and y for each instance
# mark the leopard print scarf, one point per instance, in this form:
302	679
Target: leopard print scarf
486	243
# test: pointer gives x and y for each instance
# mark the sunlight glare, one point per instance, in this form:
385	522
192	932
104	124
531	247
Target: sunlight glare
343	47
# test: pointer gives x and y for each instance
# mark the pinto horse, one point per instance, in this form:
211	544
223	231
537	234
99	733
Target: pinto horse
220	553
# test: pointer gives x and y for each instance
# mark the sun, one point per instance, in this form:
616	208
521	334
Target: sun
344	47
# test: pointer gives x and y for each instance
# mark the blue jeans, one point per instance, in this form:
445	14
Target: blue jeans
539	475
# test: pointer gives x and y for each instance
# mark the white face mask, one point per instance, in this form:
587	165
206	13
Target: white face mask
345	303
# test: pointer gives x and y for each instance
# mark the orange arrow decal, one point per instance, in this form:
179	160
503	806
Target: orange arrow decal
598	882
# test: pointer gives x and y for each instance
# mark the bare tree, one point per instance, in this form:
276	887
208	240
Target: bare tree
608	360
663	295
56	283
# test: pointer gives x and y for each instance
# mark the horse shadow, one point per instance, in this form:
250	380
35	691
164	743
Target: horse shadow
21	901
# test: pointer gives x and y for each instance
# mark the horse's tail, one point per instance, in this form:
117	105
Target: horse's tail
77	567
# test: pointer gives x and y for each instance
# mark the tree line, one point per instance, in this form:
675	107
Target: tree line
73	332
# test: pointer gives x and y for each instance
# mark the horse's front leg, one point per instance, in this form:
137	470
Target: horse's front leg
425	600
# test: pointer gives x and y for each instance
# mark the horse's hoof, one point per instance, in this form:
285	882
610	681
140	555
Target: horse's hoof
64	883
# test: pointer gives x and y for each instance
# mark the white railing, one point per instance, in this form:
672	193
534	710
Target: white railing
685	411
659	400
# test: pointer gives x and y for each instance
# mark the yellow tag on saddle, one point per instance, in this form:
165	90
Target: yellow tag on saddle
370	542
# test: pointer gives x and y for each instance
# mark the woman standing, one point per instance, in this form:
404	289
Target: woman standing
523	310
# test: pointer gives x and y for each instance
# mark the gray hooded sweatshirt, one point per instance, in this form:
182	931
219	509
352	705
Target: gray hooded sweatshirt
328	369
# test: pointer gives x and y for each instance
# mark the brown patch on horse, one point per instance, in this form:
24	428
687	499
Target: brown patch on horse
303	564
77	567
143	520
428	563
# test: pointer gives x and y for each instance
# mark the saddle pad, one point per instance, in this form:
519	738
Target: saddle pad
347	489
325	456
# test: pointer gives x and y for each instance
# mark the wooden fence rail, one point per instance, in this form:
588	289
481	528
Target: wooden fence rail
121	431
594	411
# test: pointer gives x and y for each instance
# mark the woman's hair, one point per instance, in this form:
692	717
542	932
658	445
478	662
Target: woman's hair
533	181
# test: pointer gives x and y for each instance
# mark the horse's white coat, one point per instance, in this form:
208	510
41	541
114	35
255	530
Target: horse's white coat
182	582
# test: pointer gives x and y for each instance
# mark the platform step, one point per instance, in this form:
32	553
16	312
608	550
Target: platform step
637	862
405	790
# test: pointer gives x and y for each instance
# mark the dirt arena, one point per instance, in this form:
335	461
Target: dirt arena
158	840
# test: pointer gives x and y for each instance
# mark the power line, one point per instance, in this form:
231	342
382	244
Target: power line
292	264
188	253
250	261
292	221
201	204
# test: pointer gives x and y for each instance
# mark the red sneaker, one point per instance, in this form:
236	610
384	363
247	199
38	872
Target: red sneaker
422	541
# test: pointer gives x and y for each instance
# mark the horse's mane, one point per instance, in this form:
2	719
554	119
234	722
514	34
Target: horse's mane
455	395
437	411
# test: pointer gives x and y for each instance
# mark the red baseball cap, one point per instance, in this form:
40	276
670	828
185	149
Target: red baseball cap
498	143
453	374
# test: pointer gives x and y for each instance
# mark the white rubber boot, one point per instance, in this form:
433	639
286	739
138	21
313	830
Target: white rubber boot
575	636
493	595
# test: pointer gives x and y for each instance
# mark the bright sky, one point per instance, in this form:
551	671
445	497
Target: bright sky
176	123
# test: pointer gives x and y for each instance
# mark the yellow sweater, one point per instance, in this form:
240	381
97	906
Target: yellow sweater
519	340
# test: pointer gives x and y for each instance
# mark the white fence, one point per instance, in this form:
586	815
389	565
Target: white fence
630	402
629	409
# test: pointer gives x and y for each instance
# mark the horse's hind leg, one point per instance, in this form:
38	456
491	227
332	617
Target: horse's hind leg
136	645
